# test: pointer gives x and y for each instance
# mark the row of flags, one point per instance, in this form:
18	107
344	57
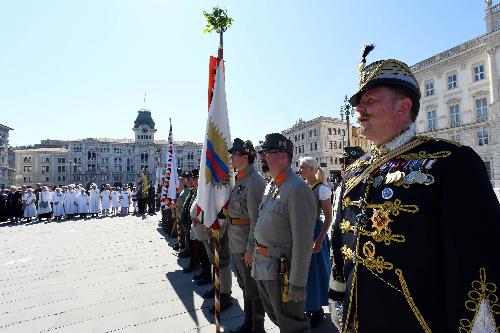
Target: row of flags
215	177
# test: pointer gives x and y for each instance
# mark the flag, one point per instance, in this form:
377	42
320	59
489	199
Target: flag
145	185
170	179
214	186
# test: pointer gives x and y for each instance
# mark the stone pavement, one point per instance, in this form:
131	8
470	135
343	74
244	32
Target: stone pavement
103	275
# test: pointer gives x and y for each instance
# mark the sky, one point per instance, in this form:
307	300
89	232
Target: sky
79	69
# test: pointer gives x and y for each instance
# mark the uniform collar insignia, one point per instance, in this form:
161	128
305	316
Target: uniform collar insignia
396	142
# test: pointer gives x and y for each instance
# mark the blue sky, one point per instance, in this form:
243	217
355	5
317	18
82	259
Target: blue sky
79	69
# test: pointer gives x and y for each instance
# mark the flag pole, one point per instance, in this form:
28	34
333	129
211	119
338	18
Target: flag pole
218	21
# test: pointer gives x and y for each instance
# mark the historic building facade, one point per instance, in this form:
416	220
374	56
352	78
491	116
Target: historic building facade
103	160
5	168
460	94
323	138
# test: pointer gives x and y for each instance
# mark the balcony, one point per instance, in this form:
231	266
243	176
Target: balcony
456	124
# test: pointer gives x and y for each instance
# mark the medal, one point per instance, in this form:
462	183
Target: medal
378	181
387	193
361	220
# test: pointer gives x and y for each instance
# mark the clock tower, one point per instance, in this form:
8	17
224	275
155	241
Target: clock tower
144	128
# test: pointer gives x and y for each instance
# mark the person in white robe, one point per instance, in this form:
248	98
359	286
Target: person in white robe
44	208
95	201
58	203
29	204
106	200
82	202
125	200
115	201
70	202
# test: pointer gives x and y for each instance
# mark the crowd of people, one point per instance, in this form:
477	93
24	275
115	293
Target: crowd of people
23	204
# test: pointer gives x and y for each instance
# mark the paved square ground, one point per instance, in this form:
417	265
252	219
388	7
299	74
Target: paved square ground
103	275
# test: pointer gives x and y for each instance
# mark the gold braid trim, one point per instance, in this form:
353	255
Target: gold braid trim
480	290
377	162
410	301
392	207
384	235
422	155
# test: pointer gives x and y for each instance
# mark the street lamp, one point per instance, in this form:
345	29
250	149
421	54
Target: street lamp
346	110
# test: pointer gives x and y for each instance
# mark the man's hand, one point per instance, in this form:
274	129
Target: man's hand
248	257
296	294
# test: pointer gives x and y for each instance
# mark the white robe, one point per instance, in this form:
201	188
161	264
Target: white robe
125	199
115	199
69	202
95	202
45	197
83	203
29	208
105	199
58	200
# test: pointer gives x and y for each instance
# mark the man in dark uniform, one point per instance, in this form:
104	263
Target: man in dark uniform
243	212
412	248
15	204
3	204
151	199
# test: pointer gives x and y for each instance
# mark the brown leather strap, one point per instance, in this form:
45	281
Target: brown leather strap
240	221
263	251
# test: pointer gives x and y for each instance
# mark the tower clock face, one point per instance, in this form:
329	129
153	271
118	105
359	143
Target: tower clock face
144	130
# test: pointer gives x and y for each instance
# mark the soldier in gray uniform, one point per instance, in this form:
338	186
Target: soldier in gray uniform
283	236
243	212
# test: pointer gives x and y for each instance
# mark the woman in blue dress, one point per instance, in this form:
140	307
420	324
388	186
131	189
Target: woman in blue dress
320	267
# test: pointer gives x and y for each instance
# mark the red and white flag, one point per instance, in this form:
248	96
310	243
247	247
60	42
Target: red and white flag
170	179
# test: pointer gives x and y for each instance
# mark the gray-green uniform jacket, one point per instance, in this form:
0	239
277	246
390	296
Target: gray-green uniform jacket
244	204
285	226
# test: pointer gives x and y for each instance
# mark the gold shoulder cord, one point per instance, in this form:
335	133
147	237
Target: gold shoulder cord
354	181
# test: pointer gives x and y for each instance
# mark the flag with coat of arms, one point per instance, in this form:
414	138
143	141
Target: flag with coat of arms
215	167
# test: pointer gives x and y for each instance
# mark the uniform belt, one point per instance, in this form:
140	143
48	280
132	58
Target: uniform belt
263	250
240	221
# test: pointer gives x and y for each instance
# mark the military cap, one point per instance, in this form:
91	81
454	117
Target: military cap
390	72
244	147
277	141
352	153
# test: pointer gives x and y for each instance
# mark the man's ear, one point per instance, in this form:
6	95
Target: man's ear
405	105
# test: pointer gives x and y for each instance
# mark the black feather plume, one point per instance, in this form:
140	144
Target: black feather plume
367	48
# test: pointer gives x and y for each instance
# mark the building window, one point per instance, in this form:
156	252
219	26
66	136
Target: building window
482	109
45	168
331	160
295	138
429	89
311	146
61	168
431	120
46	179
315	146
315	132
329	131
310	133
478	73
456	138
483	137
300	151
336	160
27	168
452	81
454	115
331	145
334	131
